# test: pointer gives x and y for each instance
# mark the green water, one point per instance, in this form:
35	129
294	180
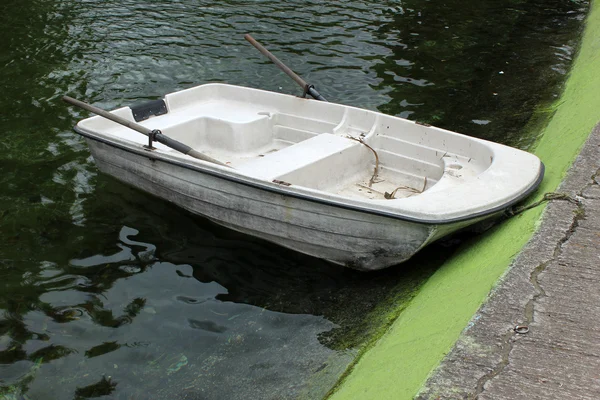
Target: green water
106	291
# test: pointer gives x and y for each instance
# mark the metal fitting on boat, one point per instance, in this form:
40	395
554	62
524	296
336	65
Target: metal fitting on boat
152	138
307	88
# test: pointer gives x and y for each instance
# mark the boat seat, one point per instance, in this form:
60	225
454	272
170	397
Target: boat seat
296	156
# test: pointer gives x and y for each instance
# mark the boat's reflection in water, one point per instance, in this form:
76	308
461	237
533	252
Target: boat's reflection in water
173	304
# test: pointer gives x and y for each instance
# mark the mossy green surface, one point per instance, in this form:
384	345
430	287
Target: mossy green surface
399	363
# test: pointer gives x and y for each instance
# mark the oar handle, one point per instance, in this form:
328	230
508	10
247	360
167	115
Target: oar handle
305	86
156	135
107	115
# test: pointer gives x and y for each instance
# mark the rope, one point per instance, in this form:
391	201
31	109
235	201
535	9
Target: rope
550	196
376	169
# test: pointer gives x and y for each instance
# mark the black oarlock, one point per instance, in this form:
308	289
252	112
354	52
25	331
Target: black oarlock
152	137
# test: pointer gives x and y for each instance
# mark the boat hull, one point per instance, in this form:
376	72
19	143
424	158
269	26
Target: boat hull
353	238
353	186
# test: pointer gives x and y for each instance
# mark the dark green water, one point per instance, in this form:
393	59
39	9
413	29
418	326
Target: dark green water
106	291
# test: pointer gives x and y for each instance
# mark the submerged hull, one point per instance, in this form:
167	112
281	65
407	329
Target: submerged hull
355	239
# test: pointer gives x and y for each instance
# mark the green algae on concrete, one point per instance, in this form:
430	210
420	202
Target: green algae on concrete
399	363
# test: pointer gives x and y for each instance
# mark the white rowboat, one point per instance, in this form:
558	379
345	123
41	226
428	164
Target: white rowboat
352	186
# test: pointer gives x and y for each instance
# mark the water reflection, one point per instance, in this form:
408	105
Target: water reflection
148	315
479	68
177	324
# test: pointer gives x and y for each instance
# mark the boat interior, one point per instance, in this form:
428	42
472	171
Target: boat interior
323	146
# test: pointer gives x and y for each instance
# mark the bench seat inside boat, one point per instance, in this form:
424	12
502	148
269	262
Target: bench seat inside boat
278	164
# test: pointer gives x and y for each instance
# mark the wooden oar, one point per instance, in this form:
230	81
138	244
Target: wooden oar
309	89
154	135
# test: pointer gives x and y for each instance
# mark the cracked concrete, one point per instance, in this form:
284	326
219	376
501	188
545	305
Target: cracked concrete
552	287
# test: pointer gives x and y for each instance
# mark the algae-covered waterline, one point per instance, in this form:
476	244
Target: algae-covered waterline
107	291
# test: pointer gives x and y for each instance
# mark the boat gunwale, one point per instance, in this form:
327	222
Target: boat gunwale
283	190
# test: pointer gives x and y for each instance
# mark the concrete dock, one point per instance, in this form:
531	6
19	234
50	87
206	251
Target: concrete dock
553	292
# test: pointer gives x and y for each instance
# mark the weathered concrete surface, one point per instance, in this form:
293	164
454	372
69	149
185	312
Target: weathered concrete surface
553	288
